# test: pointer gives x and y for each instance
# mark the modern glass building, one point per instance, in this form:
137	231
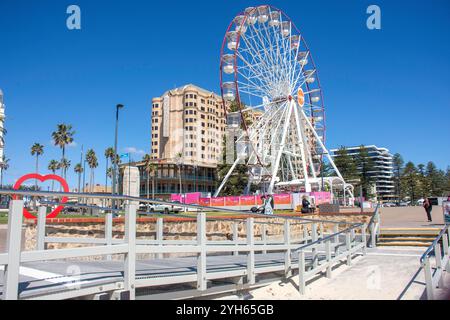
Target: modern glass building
383	173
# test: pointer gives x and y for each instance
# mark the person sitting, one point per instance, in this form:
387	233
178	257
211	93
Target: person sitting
306	205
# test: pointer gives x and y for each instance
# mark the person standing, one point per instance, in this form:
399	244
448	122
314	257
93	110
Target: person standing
428	207
268	205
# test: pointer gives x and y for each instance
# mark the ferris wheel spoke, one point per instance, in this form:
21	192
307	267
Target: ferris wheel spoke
253	71
256	90
262	44
257	53
300	75
251	83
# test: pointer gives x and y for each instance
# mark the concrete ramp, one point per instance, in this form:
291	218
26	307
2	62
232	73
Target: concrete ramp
392	273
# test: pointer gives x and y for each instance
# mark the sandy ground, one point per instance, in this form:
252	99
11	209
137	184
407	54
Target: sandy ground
383	274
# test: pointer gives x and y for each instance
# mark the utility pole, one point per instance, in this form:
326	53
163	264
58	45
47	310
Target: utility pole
84	176
79	175
114	182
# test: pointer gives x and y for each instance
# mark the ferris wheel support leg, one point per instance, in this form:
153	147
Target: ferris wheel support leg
291	167
226	177
322	146
280	151
302	146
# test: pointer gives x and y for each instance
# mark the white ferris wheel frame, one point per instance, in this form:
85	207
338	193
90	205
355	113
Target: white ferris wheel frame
271	69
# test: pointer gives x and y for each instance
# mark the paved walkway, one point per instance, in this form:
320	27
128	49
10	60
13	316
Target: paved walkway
410	217
384	274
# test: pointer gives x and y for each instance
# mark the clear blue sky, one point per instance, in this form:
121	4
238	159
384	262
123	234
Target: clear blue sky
388	87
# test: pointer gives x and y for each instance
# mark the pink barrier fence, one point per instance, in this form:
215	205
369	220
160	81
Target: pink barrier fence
284	199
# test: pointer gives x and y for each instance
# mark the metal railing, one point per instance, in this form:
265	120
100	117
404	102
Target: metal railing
435	261
328	251
312	237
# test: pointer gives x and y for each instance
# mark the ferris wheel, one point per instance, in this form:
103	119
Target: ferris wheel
268	76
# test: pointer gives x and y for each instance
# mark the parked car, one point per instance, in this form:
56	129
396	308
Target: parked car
420	202
163	208
389	204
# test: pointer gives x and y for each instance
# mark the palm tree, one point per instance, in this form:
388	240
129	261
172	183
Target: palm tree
64	165
92	161
53	165
4	165
109	154
62	137
37	150
114	160
109	172
150	168
79	170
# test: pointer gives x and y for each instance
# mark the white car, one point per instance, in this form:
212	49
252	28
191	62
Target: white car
153	207
389	204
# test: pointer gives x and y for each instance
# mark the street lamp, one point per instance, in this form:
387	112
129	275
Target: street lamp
179	161
114	178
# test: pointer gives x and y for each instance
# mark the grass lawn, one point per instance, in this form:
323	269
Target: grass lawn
3	218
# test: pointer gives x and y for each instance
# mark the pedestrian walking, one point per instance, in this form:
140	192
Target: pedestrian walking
428	207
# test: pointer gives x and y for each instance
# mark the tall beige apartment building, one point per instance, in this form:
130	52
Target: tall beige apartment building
188	121
187	134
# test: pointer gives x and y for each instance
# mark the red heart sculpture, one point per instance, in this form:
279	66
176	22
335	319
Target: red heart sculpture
41	178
